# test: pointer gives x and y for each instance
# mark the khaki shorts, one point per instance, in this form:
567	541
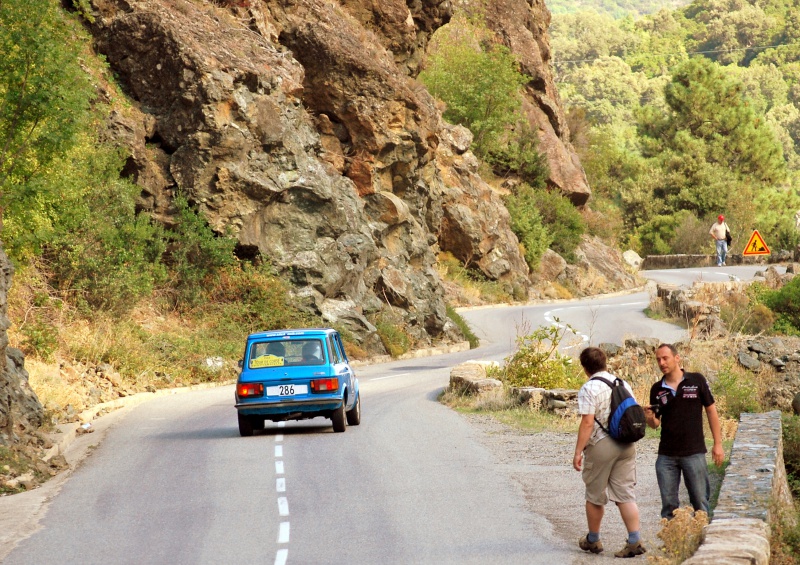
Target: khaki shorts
609	472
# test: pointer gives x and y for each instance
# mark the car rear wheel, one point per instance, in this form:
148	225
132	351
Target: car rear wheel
257	422
354	414
339	420
245	426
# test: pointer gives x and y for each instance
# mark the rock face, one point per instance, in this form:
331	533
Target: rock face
20	409
298	127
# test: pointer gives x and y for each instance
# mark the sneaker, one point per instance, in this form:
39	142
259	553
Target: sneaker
586	545
723	264
631	550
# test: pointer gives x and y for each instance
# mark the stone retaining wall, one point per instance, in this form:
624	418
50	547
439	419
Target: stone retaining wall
652	262
754	491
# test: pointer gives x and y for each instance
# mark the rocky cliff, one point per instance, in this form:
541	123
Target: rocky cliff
298	126
20	410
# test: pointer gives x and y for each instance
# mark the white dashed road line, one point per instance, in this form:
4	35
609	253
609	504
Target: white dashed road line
282	555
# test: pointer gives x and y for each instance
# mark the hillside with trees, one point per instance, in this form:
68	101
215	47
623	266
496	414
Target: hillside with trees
682	115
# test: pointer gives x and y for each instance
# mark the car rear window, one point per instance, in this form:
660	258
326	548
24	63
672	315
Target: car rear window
279	353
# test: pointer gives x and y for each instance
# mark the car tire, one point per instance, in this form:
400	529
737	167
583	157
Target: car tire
245	426
339	419
258	423
354	414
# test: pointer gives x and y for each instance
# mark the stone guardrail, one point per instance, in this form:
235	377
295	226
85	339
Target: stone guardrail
753	494
652	262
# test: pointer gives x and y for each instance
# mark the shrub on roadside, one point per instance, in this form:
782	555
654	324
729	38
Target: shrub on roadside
785	303
736	392
538	363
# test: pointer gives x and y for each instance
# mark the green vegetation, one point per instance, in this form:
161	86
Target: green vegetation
537	362
680	115
464	327
390	329
479	81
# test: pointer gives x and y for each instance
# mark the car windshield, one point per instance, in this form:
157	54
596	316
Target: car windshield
286	352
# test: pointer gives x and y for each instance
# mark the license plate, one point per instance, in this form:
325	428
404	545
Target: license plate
287	390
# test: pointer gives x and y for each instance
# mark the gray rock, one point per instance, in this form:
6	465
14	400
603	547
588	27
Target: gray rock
748	362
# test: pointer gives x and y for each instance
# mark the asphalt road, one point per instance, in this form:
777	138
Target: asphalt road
172	481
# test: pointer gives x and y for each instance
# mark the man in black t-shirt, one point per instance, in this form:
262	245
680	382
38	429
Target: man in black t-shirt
676	404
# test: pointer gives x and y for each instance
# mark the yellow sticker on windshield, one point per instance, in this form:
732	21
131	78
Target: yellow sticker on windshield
266	361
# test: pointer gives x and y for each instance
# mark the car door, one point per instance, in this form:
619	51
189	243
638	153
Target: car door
341	364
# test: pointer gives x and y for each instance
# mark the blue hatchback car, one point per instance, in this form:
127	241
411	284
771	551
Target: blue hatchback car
295	375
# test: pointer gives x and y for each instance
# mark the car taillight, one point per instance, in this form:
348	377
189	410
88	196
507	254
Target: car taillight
250	389
324	385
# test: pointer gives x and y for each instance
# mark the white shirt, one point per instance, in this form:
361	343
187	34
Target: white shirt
718	230
594	398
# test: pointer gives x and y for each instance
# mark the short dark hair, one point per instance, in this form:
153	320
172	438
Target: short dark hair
668	346
593	360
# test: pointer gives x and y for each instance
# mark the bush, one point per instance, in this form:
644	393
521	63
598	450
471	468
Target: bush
245	298
785	302
194	251
477	78
735	393
562	221
517	152
390	329
527	224
538	363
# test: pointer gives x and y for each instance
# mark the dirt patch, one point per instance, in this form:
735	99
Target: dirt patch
541	463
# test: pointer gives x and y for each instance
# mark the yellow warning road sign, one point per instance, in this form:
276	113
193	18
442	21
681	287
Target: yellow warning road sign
756	245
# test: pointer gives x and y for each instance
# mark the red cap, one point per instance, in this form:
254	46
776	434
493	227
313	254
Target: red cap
720	217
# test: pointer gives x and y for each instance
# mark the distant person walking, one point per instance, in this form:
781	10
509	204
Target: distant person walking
719	232
676	404
608	467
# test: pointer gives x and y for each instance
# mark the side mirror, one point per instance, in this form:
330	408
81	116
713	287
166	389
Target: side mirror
240	362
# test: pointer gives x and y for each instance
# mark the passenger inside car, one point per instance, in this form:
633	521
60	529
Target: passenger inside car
312	352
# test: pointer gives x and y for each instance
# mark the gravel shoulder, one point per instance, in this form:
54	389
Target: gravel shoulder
541	464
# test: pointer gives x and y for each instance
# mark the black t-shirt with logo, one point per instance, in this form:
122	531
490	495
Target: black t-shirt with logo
682	415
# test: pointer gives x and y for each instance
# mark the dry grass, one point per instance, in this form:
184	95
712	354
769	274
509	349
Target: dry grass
681	536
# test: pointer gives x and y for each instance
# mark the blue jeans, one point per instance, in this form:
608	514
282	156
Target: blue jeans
695	475
722	251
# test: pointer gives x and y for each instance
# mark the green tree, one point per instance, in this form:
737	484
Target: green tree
710	143
527	225
478	79
44	93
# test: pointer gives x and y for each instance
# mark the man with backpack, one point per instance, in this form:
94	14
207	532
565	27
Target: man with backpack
676	404
608	466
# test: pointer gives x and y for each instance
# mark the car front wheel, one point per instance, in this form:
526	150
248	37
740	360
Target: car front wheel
354	414
245	426
339	420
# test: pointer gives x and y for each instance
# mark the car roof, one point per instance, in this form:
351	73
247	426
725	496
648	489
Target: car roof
293	333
